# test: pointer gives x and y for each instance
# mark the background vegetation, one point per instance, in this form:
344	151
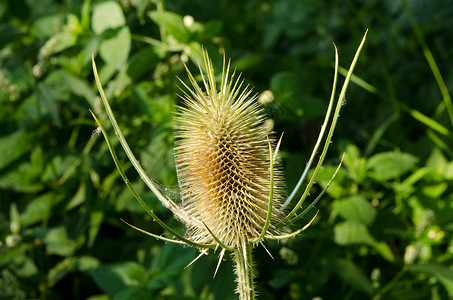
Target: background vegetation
385	228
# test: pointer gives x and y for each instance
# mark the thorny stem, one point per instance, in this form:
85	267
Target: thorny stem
243	259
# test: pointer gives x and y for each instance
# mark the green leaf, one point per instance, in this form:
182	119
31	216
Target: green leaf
68	37
115	50
115	278
355	163
107	15
77	86
435	190
349	233
39	209
355	208
442	273
63	267
47	26
56	240
172	23
437	163
14	146
205	31
389	165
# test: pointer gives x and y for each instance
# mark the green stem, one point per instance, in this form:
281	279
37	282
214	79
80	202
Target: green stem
242	257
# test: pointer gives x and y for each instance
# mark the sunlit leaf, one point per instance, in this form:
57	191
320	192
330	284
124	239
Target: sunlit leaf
355	208
107	15
389	165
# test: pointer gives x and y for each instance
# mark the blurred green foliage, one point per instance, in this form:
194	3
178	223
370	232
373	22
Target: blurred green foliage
385	228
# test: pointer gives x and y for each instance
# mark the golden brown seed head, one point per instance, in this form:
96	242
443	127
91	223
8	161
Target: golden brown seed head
223	163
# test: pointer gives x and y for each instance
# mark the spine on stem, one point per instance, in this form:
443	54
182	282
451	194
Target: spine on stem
244	271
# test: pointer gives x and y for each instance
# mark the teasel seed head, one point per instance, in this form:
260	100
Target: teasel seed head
223	160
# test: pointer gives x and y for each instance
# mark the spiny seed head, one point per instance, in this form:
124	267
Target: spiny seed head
223	160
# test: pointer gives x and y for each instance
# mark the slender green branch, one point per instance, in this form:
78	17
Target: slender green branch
320	194
137	196
331	130
159	237
295	233
320	136
167	202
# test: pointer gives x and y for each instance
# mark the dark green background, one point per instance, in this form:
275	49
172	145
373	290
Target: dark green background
384	229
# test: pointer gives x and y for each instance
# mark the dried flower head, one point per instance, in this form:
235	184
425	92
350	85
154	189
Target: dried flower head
231	187
223	160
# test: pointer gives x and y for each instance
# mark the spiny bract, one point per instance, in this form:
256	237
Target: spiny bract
223	160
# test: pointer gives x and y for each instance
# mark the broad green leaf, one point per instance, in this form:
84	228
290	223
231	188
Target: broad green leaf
437	163
59	166
203	32
115	278
63	267
47	26
351	274
39	209
59	243
77	86
14	146
172	23
68	36
354	163
8	255
389	165
115	50
349	233
56	240
435	190
78	198
107	15
385	251
22	178
23	266
355	208
441	272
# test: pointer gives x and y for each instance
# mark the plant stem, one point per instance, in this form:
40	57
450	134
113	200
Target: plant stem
244	270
